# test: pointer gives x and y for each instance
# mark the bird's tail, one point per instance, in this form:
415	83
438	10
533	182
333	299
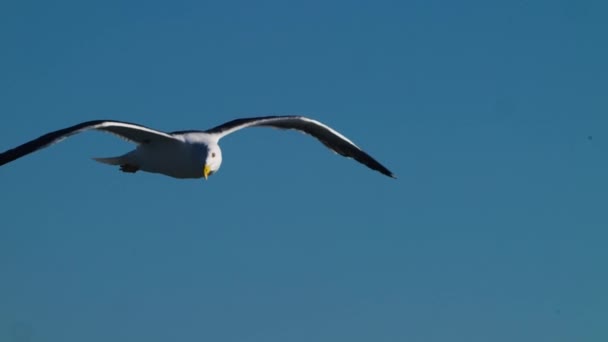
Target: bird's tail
110	161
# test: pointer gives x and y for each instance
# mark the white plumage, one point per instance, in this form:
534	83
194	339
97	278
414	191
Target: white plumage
191	154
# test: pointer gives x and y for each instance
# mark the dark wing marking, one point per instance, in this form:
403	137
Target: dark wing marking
131	132
325	134
186	132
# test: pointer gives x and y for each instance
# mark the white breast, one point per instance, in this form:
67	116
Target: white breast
179	160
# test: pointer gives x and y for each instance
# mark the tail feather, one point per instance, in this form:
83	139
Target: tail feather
110	161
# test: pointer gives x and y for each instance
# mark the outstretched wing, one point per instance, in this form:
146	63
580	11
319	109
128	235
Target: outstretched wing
325	134
131	132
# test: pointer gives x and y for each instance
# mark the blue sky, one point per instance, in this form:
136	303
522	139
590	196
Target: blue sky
493	114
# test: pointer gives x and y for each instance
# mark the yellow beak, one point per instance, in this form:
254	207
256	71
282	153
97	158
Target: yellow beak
206	171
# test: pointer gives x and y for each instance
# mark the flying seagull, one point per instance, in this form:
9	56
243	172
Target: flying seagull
191	154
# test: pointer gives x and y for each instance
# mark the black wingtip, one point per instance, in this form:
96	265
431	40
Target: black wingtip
389	174
383	170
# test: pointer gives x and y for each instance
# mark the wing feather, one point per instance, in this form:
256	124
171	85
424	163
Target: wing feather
325	134
132	132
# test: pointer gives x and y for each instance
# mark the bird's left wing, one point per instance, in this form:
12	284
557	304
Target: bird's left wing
129	131
325	134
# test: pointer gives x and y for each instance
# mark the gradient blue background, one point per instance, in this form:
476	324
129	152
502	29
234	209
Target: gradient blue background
496	229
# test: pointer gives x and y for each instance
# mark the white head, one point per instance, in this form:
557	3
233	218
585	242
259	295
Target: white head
213	160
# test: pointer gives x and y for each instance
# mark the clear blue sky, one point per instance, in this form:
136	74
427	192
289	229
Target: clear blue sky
493	114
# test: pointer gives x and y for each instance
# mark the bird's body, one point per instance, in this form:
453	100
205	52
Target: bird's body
190	154
182	158
175	159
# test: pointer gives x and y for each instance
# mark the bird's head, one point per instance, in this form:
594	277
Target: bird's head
213	160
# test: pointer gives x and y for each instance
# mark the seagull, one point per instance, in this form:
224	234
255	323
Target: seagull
192	153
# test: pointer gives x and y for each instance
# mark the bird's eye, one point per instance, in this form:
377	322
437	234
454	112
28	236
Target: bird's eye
213	155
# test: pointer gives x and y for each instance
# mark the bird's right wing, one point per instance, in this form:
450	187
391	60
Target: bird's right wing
132	132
